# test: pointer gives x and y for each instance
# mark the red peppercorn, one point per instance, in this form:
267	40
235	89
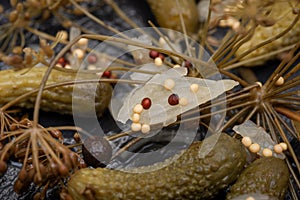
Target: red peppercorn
92	58
173	99
106	74
153	54
146	103
113	76
62	61
162	56
188	64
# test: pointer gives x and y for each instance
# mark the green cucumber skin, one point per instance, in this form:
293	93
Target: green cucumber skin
188	177
167	14
266	176
16	83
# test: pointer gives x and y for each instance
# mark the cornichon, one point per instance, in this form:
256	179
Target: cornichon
265	176
60	99
167	14
187	177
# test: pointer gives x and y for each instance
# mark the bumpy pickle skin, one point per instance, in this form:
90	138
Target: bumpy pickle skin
284	16
265	176
188	177
167	14
15	83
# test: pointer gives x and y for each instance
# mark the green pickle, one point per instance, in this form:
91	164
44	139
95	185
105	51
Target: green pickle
59	99
167	14
266	176
186	177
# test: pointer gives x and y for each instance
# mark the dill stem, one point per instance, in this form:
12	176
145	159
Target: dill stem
119	135
288	85
224	47
247	74
265	42
288	95
96	19
282	68
295	179
257	58
289	102
218	102
9	145
292	71
217	112
129	144
273	117
48	150
123	16
236	117
205	32
145	46
183	28
44	35
35	151
27	153
234	77
286	126
290	114
162	36
236	46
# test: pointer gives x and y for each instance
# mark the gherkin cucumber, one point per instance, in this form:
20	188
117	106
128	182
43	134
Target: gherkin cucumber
167	14
60	99
187	177
265	176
